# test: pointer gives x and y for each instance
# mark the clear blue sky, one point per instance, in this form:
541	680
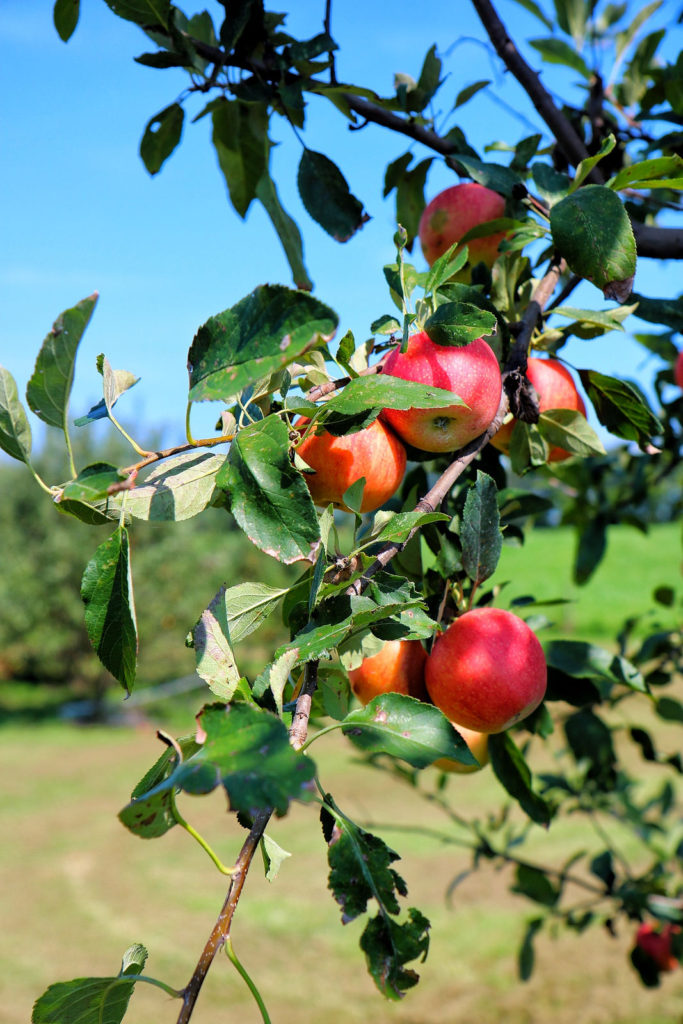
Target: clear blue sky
79	212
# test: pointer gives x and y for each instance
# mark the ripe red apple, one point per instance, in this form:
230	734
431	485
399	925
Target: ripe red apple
470	371
478	743
397	668
678	369
374	453
556	390
453	213
657	944
487	671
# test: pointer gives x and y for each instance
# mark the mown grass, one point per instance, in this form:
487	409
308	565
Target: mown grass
78	888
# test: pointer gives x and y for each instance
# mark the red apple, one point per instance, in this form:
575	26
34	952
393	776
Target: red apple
470	371
397	668
487	671
556	390
374	453
478	743
453	213
657	944
678	369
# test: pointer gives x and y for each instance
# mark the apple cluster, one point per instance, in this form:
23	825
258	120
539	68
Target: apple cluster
485	672
471	372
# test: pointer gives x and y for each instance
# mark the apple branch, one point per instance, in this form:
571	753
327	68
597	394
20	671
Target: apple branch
514	367
220	934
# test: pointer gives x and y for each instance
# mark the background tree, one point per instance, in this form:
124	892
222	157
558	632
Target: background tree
579	209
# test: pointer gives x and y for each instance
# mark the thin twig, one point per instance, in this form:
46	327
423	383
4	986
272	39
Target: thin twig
178	449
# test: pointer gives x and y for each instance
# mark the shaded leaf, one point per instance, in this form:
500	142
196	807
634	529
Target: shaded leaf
49	388
107	592
162	816
262	333
591	548
569	429
15	429
148	13
494	176
557	51
535	884
592	230
459	323
326	195
513	773
620	407
588	661
177	489
389	945
526	955
241	143
480	535
591	742
65	16
268	496
116	383
161	136
92	483
469	91
247	751
287	231
407	728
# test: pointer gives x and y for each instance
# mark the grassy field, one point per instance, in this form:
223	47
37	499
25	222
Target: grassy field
78	888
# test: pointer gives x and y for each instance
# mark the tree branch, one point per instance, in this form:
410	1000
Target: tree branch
569	141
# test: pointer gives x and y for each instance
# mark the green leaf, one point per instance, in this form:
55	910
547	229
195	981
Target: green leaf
513	773
401	524
667	312
178	489
535	9
49	388
569	429
644	171
459	323
262	333
526	955
494	176
535	884
386	392
669	709
241	142
268	496
592	230
65	16
620	407
326	195
148	13
624	39
590	550
92	483
161	136
287	231
557	51
591	742
275	678
91	1000
162	815
553	185
469	91
444	267
232	615
107	592
116	383
410	199
480	535
273	856
588	661
247	751
407	728
587	165
389	945
15	429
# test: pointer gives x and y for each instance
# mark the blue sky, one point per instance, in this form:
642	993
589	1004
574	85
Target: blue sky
79	212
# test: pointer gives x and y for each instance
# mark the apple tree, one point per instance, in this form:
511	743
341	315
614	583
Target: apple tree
422	555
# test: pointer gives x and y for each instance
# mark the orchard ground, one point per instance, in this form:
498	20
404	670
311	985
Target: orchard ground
75	898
